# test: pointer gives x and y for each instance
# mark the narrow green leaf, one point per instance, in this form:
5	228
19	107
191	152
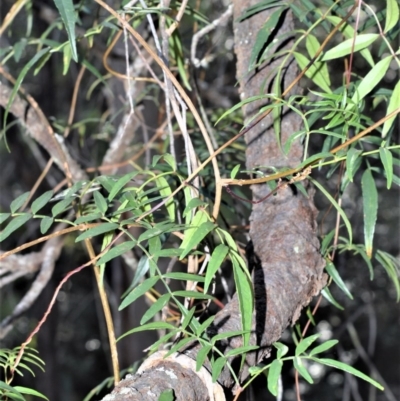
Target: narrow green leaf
155	308
343	49
193	203
234	171
165	191
170	160
351	157
192	294
263	35
336	206
116	251
67	12
204	325
244	290
167	395
138	291
142	268
331	269
119	185
4	217
348	369
303	345
217	367
20	78
188	317
274	372
323	347
184	276
42	201
369	82
14	224
149	326
392	268
45	224
327	295
61	206
392	15
100	229
100	202
370	206
157	230
88	217
217	257
314	72
196	237
282	349
201	356
241	350
298	364
163	340
18	202
394	103
30	391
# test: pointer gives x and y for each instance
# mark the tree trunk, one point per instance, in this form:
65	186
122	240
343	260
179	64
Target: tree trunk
287	265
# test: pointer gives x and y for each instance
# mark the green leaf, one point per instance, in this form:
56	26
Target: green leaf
149	326
303	345
157	230
204	326
312	46
370	206
274	372
61	206
142	268
14	224
235	171
88	217
323	347
184	276
343	49
155	308
331	269
67	12
165	191
217	367
138	291
42	201
193	203
192	294
369	82
263	35
4	217
217	257
336	206
241	350
196	237
315	71
170	160
327	295
100	229
167	395
351	157
45	224
298	364
116	251
201	356
392	267
26	390
117	186
100	202
244	290
394	103
348	369
282	349
20	78
18	202
188	315
392	15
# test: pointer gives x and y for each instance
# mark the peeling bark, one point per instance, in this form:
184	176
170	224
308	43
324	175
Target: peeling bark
287	265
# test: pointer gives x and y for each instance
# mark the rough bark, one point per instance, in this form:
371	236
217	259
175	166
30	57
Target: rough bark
287	265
